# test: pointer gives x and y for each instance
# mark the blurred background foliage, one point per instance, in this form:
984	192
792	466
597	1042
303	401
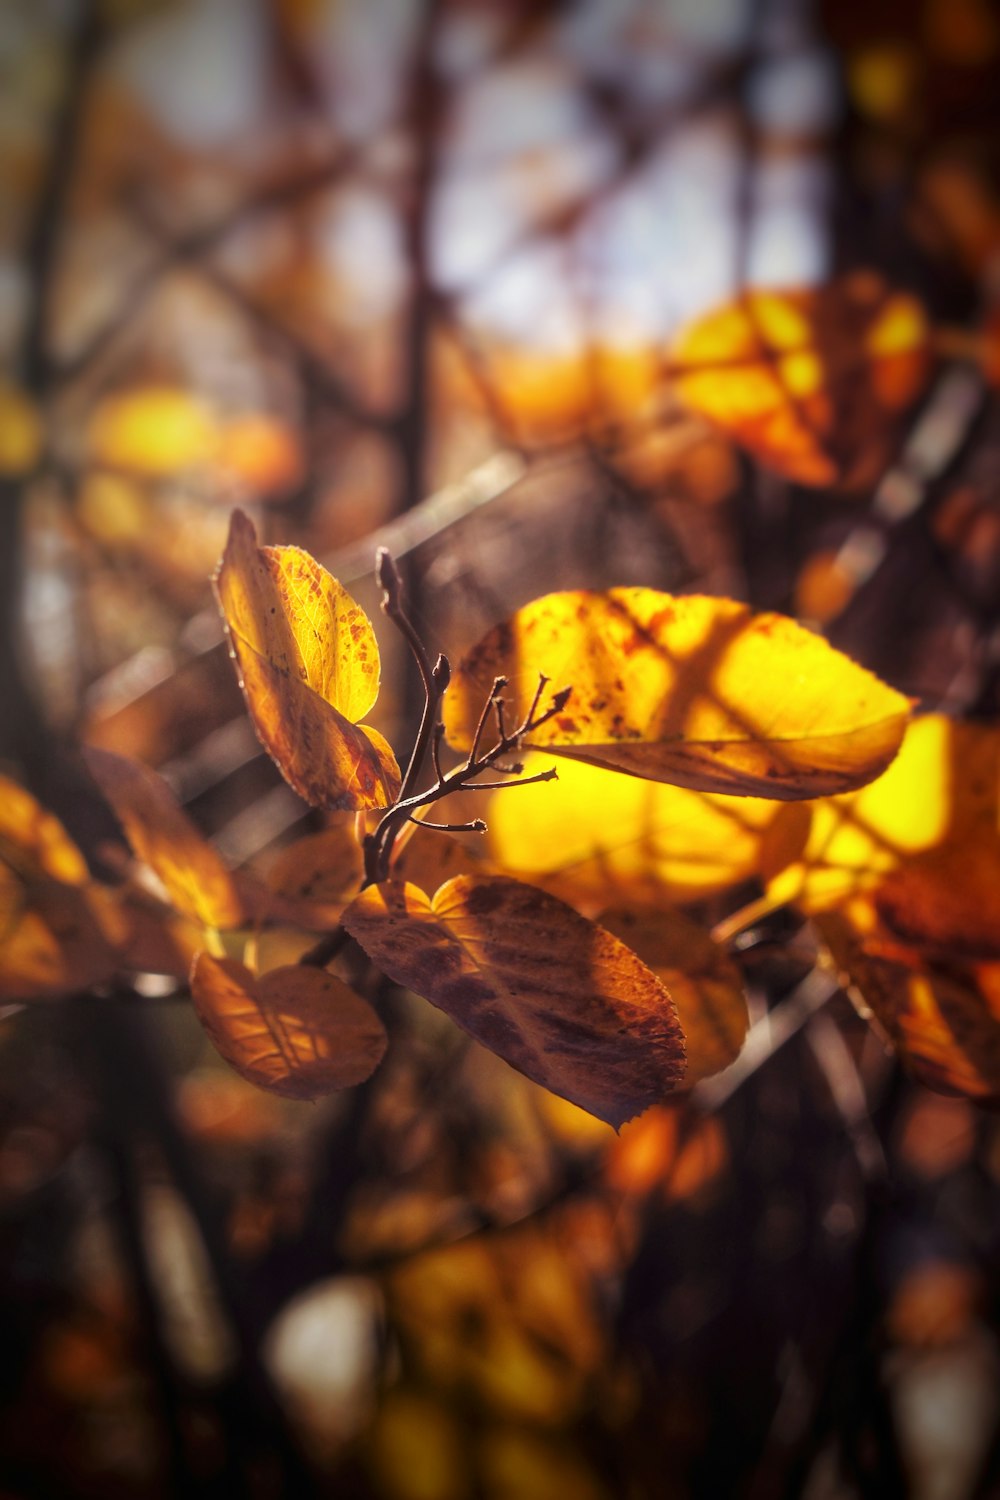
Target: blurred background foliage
465	277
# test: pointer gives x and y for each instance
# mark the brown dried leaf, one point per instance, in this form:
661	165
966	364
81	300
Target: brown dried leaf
296	1031
704	983
553	994
943	1018
694	691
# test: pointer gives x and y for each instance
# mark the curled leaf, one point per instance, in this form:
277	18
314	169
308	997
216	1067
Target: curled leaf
810	381
556	996
694	691
309	668
162	836
295	1031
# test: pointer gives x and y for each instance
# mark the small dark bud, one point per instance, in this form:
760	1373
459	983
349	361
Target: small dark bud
560	699
499	683
387	574
477	826
441	672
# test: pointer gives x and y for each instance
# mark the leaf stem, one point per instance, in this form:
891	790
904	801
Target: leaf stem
378	845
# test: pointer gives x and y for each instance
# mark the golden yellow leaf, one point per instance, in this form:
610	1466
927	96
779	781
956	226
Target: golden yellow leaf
163	837
556	996
810	381
704	983
596	838
944	784
943	1017
155	431
694	691
296	1031
21	434
309	669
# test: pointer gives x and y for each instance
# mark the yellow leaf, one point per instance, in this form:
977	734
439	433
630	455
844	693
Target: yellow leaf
944	784
296	1031
704	983
594	837
809	381
21	434
944	1018
154	431
163	837
694	691
557	997
309	669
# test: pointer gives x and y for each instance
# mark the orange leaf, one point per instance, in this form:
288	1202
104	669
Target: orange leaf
946	901
315	877
34	842
309	668
557	997
943	1018
55	939
704	983
162	836
809	381
58	930
296	1031
694	691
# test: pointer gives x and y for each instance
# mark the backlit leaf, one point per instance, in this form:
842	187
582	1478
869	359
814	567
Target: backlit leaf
163	837
309	668
556	996
296	1031
694	691
943	785
704	984
809	381
596	838
944	1017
